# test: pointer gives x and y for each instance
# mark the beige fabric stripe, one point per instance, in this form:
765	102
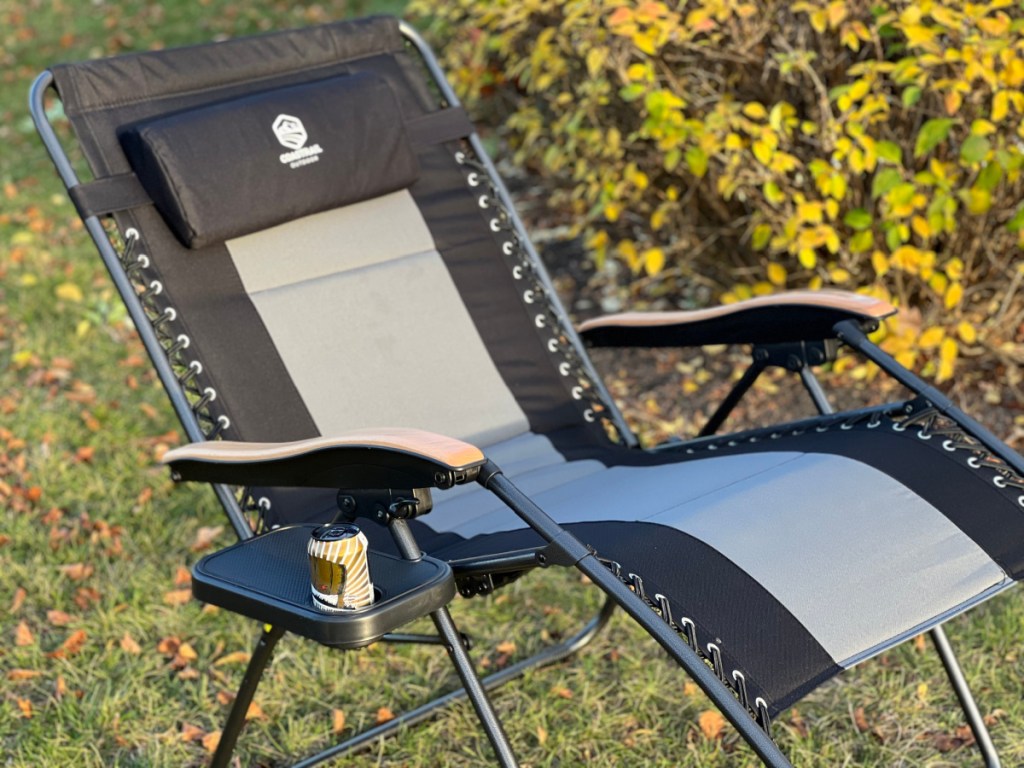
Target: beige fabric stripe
344	238
390	345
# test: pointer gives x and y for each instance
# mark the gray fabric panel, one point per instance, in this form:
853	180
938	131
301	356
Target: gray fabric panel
315	246
426	367
857	557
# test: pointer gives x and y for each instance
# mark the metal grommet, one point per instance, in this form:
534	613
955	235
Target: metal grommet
588	415
155	288
1020	500
473	179
564	369
495	225
999	481
483	202
712	447
508	249
210	393
874	423
263	503
898	427
539	321
577	393
460	157
821	428
131	234
196	366
846	426
224	422
973	462
170	314
143	261
528	297
552	345
949	445
517	272
924	435
732	443
184	341
690	451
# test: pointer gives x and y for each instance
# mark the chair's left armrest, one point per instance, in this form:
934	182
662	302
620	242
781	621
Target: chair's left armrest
779	318
366	458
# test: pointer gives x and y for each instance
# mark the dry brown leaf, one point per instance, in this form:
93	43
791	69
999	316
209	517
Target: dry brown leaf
17	675
59	618
19	598
238	657
60	688
337	721
919	643
85	597
77	571
690	688
205	537
128	645
563	693
23	635
182	577
26	707
210	741
506	647
71	646
187	652
860	720
169	645
711	723
85	453
225	697
191	732
254	711
542	735
384	714
188	673
177	596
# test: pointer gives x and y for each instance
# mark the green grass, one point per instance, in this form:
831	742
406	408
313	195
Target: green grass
93	529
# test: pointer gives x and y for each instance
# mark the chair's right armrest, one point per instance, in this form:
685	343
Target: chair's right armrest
365	458
785	317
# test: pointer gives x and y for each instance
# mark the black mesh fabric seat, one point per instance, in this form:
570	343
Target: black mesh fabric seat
314	243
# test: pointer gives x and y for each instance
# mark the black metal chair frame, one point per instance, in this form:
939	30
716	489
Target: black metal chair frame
625	591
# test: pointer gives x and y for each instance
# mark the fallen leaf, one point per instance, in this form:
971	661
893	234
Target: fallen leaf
16	675
542	735
77	571
182	577
690	688
205	537
177	596
191	732
59	618
711	723
337	721
506	647
85	453
563	693
34	493
860	720
384	714
71	646
169	645
994	716
210	741
187	652
23	635
60	688
128	645
26	707
86	597
254	711
238	657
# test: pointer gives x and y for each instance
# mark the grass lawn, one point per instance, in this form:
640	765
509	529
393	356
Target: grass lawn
105	661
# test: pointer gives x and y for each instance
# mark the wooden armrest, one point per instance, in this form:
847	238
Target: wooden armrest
365	458
783	317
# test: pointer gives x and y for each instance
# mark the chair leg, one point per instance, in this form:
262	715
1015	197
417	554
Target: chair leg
963	693
236	717
550	655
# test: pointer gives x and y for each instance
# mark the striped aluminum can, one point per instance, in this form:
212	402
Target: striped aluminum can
338	570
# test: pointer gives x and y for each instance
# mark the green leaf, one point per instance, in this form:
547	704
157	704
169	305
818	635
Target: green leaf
862	241
990	177
632	92
931	135
974	149
911	96
1016	224
672	158
697	160
890	152
857	219
885	180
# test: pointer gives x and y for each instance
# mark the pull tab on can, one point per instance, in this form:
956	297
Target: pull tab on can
338	570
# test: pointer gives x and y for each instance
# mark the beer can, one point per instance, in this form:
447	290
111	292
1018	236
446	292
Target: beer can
338	570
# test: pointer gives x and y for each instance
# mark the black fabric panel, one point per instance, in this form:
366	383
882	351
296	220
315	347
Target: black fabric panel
109	195
759	325
989	516
152	75
485	283
757	635
240	361
438	127
240	166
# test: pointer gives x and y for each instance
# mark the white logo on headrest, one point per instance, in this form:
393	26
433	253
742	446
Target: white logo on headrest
290	131
292	134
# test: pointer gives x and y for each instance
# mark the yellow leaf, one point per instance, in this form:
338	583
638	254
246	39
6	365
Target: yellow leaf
337	721
880	263
711	723
238	657
967	332
28	280
953	295
931	338
654	260
612	211
807	258
69	292
947	359
1000	106
777	274
755	110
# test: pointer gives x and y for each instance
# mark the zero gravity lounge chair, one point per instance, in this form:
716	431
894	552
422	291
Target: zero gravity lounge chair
351	324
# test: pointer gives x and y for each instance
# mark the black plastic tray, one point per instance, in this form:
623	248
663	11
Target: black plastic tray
267	578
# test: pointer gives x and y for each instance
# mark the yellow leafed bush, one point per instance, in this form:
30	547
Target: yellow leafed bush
871	145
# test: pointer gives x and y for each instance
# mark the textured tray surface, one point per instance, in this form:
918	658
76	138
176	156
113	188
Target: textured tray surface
267	578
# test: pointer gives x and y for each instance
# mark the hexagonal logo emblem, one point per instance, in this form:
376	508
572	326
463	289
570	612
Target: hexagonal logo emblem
290	131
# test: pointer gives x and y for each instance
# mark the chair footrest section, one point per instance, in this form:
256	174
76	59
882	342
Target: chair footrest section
267	578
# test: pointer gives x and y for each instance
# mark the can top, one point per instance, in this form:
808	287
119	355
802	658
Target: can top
335	532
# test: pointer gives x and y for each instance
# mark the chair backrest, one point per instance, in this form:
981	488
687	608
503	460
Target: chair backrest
324	250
